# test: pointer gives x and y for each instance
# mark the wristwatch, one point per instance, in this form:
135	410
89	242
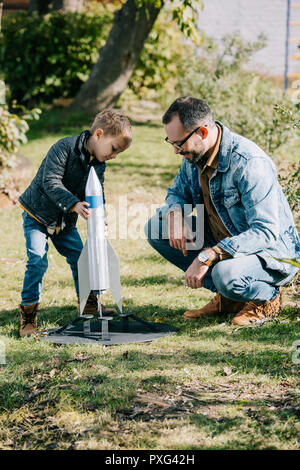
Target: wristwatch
204	258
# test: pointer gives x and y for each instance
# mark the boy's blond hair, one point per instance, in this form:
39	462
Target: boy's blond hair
112	122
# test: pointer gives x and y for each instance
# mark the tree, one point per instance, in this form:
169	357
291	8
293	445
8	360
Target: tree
118	57
2	84
45	6
1	8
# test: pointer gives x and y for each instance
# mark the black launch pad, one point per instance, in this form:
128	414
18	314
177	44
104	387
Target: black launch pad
122	329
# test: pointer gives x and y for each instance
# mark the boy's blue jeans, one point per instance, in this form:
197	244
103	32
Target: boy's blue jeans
68	243
239	279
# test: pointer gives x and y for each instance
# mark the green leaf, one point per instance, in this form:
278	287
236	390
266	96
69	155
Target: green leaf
292	261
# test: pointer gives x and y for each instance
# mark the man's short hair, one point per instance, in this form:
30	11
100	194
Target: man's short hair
191	112
112	122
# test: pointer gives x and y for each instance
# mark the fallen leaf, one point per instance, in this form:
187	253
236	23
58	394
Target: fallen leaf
227	370
79	358
57	362
90	406
52	373
285	384
135	413
160	319
78	375
8	442
153	400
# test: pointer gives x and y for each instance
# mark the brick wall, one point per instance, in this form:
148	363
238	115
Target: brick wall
251	17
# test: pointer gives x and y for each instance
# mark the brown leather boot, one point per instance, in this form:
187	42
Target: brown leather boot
91	307
254	312
28	320
217	305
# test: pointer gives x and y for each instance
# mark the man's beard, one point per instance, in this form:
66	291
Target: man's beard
194	157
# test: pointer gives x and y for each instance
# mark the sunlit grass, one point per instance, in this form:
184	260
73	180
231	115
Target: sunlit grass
210	386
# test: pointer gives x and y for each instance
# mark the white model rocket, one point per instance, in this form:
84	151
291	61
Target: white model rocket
98	265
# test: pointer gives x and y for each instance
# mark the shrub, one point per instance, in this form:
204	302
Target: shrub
246	102
290	180
242	100
39	69
12	134
13	128
156	69
289	173
49	57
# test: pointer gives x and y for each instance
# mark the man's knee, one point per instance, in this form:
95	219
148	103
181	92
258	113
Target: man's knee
147	229
152	229
231	278
223	276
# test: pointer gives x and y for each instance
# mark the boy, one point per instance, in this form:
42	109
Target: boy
55	198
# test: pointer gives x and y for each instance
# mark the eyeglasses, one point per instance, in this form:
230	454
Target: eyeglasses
179	146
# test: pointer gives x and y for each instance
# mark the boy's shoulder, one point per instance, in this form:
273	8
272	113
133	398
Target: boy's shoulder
69	141
72	143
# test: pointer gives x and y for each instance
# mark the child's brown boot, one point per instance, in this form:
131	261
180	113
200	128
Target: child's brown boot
28	320
91	307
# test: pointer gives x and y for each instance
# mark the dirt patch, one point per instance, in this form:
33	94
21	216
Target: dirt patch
207	400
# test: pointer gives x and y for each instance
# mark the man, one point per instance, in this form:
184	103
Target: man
247	220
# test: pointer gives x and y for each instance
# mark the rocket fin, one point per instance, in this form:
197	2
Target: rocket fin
84	277
114	275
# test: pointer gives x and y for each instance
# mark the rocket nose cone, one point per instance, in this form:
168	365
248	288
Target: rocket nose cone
93	186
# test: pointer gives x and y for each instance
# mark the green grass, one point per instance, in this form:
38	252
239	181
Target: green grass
210	386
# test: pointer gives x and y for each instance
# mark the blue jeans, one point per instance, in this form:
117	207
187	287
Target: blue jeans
239	279
68	243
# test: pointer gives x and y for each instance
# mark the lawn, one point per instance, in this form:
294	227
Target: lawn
210	386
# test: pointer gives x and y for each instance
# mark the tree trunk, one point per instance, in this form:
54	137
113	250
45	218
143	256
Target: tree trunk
1	9
118	57
46	6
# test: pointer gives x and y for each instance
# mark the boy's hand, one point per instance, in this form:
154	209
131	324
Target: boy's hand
82	209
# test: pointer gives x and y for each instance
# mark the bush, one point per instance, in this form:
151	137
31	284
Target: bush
43	58
12	134
39	70
289	178
13	128
242	100
246	102
156	69
289	173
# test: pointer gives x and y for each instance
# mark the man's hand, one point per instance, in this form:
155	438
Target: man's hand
178	232
195	274
82	209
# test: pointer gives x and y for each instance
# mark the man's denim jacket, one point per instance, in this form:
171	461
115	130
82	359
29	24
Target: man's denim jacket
249	200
